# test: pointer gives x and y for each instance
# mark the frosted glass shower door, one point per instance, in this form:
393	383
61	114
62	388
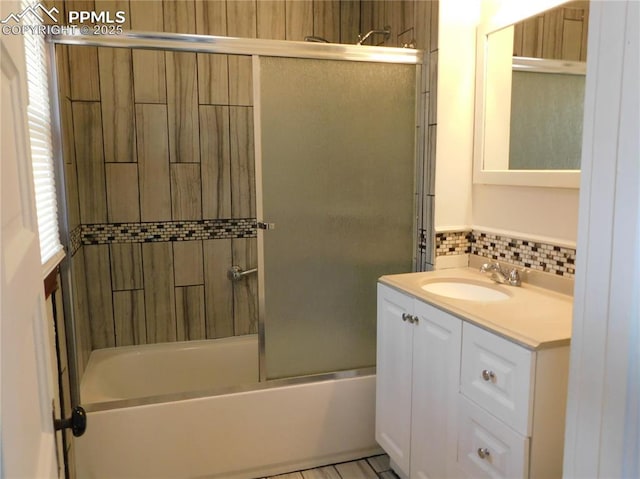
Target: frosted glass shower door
337	180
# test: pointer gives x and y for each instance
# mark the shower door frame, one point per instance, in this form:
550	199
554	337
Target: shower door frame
232	46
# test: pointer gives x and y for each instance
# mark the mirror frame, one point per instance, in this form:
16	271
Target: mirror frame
493	19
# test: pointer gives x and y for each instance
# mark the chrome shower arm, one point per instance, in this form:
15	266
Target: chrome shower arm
386	32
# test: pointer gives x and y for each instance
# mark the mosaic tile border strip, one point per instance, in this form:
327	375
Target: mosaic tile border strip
451	243
75	238
161	231
535	255
528	254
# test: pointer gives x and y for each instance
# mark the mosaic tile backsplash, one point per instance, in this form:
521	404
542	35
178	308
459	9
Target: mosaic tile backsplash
108	233
520	252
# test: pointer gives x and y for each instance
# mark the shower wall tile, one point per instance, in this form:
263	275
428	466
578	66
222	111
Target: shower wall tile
433	88
148	65
245	291
116	6
241	19
431	158
159	292
186	199
153	162
90	162
218	289
147	16
80	310
240	80
62	70
326	20
68	148
190	313
83	73
126	266
211	17
188	260
349	21
73	203
179	17
552	34
215	162
299	19
422	24
271	15
182	100
213	79
98	277
433	30
116	91
243	195
129	317
374	18
149	76
122	192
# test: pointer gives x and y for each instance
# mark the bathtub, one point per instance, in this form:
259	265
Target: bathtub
155	412
152	370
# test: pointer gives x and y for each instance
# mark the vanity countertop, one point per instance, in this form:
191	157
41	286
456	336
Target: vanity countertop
533	317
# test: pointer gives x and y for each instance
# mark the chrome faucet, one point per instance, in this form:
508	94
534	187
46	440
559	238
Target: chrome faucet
500	275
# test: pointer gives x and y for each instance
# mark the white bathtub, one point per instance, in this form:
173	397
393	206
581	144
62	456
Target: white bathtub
240	435
169	368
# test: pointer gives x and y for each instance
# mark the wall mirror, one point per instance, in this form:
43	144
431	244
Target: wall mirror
530	80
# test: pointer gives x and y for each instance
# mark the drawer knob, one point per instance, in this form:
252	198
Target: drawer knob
483	452
488	375
410	317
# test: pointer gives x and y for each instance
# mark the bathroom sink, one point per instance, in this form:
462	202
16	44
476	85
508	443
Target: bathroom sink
456	289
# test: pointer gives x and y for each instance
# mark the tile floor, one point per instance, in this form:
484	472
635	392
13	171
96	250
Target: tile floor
375	467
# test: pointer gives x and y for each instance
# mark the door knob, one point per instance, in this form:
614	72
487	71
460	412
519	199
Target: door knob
77	422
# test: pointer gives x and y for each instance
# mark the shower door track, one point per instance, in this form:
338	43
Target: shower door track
242	46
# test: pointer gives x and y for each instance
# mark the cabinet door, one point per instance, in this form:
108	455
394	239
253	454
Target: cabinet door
437	340
393	376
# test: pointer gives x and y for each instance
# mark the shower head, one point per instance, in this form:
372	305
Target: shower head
386	32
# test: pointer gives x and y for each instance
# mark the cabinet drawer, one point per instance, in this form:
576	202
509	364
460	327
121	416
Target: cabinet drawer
487	447
497	375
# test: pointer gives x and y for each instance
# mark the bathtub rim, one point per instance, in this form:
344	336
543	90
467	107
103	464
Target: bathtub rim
220	391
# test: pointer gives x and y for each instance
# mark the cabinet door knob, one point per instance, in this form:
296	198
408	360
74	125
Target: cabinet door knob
488	375
415	319
483	452
406	316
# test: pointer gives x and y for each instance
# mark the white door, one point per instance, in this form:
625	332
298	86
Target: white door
437	339
28	439
393	376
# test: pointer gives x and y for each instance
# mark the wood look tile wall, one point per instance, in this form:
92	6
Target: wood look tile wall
560	33
167	136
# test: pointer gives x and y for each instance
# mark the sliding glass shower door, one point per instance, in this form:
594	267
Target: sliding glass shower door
335	177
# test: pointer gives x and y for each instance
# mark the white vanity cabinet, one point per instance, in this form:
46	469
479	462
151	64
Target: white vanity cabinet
455	400
418	366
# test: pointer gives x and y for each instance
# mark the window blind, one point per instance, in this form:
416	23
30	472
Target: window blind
39	115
